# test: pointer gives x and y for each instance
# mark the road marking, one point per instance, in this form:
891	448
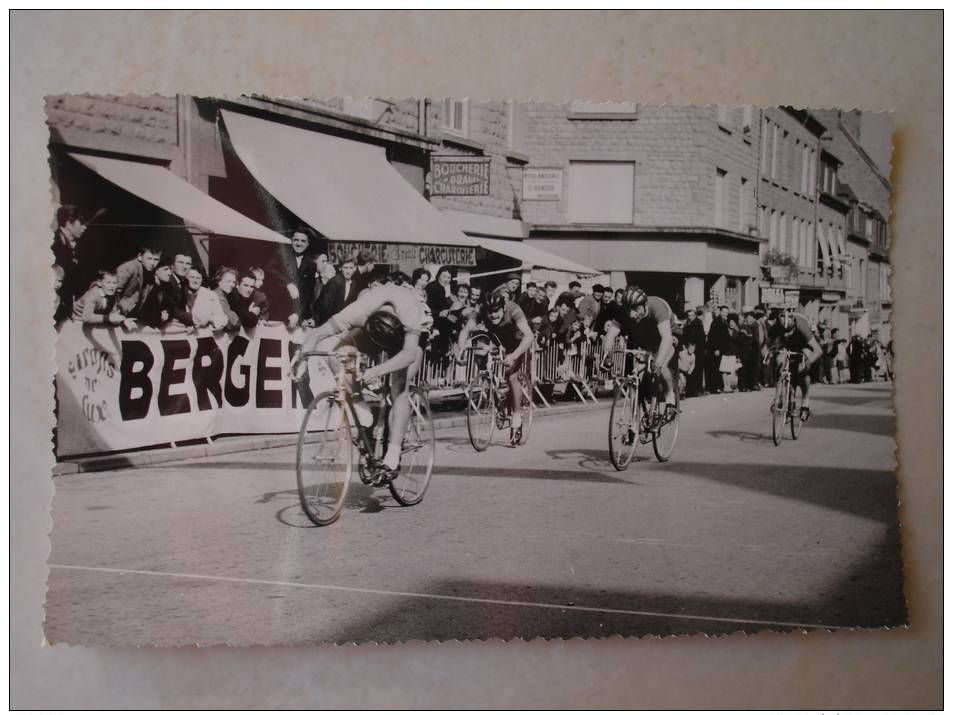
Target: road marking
440	597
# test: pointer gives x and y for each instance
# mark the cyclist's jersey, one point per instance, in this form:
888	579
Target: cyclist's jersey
402	302
644	333
797	338
507	331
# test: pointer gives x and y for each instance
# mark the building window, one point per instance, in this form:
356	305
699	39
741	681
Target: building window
743	206
456	117
812	183
783	169
774	152
581	109
720	180
601	192
763	221
805	166
773	229
765	131
782	232
747	117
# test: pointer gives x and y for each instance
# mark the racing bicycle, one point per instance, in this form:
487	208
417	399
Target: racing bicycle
639	414
331	430
487	394
784	407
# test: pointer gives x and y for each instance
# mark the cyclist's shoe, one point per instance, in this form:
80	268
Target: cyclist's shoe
671	411
629	437
516	436
805	414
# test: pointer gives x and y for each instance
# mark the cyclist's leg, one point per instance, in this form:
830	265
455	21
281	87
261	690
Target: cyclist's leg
399	412
803	380
665	355
516	391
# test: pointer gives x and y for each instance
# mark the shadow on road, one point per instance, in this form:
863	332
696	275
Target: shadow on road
743	435
868	493
881	425
880	401
868	595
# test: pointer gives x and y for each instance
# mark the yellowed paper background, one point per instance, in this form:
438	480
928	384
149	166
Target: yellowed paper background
870	60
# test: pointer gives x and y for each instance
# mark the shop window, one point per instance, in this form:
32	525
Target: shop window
456	117
601	192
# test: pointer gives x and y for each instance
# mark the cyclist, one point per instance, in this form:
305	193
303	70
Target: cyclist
506	321
792	331
646	321
385	318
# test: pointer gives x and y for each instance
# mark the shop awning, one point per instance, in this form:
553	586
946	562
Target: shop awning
534	257
161	187
345	189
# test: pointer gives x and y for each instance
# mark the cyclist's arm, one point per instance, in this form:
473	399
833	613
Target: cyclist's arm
315	336
527	340
404	358
815	352
465	331
665	344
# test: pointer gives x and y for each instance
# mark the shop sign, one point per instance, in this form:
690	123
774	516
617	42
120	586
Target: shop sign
404	253
772	296
459	176
542	184
830	297
792	298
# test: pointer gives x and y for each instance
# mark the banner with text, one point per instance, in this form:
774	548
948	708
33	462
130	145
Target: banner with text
117	390
404	253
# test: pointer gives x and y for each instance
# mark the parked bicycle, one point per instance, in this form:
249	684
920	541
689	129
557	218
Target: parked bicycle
331	430
784	408
488	398
639	414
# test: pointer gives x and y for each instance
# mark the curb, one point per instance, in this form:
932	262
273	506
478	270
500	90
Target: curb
230	445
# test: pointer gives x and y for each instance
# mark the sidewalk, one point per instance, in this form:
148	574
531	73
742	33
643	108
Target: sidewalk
245	443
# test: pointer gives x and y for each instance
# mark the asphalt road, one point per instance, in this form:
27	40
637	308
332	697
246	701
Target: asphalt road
547	540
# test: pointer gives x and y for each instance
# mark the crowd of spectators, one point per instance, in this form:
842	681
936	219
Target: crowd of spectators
719	350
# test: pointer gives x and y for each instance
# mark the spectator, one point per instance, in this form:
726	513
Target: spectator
203	305
225	280
551	296
473	302
510	287
293	272
136	278
340	291
527	299
460	302
364	265
179	285
539	310
686	367
70	227
99	306
589	306
856	356
838	357
61	308
439	300
575	290
161	300
259	296
242	301
735	346
715	344
420	279
695	335
751	360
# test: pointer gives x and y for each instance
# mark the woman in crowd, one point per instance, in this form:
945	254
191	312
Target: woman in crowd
225	281
203	304
440	301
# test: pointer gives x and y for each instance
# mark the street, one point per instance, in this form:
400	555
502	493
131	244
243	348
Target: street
547	540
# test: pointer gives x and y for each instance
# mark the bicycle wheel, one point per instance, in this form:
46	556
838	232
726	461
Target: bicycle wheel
663	441
794	414
779	410
528	410
624	424
325	459
416	453
481	411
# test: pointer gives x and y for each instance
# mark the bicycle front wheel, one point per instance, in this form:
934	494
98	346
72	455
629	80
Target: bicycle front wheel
481	411
325	459
528	410
663	441
416	453
795	416
624	424
779	410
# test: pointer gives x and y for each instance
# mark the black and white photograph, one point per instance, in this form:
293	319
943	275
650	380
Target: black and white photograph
378	370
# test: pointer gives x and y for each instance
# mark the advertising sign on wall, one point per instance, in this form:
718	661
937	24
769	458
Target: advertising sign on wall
542	184
404	253
460	176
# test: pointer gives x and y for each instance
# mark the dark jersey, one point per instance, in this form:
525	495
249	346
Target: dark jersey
507	332
644	333
798	337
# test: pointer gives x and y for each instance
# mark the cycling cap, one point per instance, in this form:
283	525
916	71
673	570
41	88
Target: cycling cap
385	330
495	301
634	297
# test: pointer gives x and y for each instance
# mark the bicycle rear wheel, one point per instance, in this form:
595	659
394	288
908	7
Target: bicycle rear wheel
663	441
481	411
779	410
624	424
416	453
325	459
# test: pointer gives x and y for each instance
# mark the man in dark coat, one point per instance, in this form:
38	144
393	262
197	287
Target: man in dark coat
70	227
340	291
694	334
715	347
292	274
136	279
